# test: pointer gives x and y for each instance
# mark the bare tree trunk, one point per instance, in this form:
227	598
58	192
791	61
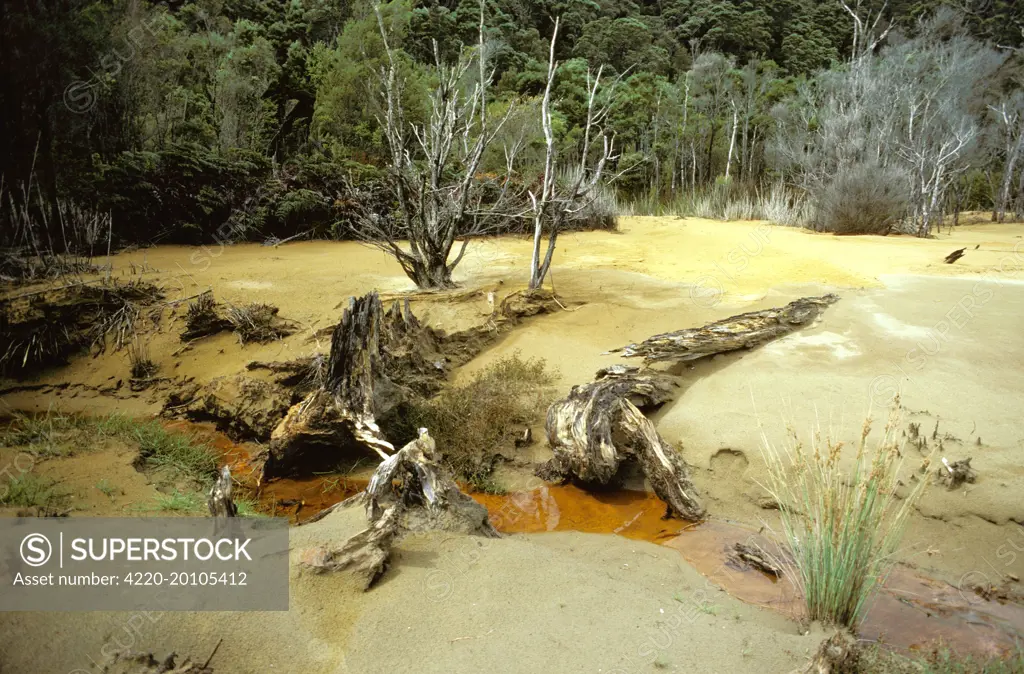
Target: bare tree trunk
732	140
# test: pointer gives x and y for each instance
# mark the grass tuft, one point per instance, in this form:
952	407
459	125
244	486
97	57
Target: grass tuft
841	527
29	490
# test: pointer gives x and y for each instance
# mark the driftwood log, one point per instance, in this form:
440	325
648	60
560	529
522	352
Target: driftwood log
365	555
599	427
409	491
743	331
376	359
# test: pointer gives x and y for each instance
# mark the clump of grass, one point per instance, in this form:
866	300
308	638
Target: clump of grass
161	448
142	367
202	318
473	422
47	435
180	502
29	490
841	527
257	323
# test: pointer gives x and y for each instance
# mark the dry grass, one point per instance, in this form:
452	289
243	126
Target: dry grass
473	423
841	527
257	323
142	366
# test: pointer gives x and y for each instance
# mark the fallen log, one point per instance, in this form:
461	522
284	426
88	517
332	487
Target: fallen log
370	350
743	331
599	427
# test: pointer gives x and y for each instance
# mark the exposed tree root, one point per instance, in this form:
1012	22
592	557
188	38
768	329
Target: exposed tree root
599	426
409	491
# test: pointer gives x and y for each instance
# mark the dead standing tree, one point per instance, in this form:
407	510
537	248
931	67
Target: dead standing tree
435	168
557	204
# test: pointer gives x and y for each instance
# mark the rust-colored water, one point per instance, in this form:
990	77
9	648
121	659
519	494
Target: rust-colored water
911	612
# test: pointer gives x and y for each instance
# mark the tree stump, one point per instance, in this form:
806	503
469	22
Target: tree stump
743	331
599	426
370	350
409	491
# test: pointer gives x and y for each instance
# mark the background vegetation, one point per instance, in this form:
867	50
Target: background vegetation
193	120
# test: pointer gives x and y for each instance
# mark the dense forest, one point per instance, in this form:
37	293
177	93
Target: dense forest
185	121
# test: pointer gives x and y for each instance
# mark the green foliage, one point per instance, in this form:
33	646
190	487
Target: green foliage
841	525
184	118
29	490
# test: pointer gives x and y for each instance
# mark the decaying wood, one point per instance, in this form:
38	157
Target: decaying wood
757	558
130	662
744	331
219	499
954	256
365	554
599	426
414	478
957	473
409	491
836	655
376	361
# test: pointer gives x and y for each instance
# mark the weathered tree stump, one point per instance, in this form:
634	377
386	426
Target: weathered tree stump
957	473
599	426
370	349
430	499
743	331
409	491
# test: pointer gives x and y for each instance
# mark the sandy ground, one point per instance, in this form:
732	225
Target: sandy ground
565	602
947	338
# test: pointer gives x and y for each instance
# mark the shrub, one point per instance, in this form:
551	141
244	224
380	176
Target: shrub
864	199
840	527
257	323
473	422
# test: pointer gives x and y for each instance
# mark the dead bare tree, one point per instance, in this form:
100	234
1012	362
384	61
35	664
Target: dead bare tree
435	168
556	204
1009	116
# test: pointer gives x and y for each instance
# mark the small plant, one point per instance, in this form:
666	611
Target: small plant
105	487
161	448
142	367
202	318
841	527
179	502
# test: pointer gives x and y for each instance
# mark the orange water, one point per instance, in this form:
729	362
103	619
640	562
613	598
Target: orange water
910	613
